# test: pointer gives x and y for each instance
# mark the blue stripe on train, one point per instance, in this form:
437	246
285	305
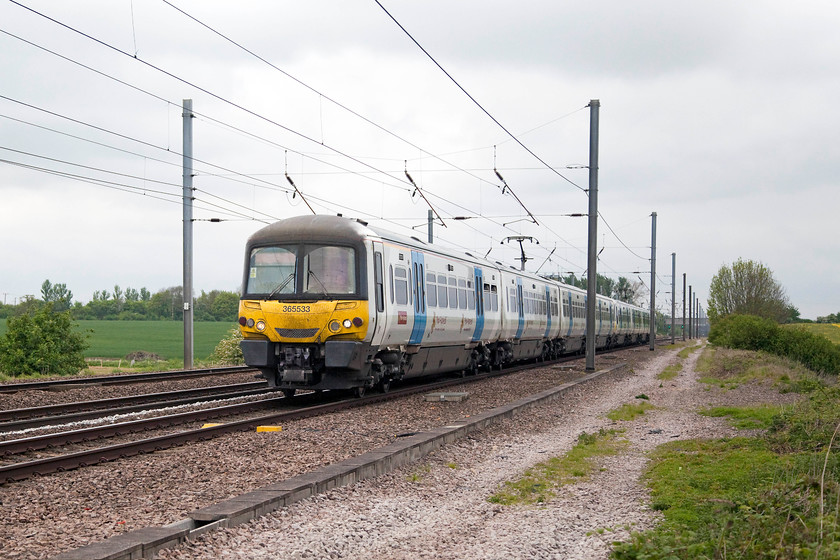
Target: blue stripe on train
418	287
479	304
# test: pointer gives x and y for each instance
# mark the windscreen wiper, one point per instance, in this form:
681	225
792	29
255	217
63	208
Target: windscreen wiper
323	288
281	286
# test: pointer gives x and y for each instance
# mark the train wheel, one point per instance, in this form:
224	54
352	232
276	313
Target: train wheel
359	392
385	385
289	393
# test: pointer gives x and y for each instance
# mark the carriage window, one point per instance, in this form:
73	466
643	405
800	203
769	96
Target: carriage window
470	295
494	298
453	293
462	293
441	291
401	285
431	289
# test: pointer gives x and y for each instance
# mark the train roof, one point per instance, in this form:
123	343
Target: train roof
312	228
328	228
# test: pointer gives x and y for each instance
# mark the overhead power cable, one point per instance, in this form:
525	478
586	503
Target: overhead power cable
486	112
219	98
176	196
619	239
196	113
323	95
202	89
506	186
423	196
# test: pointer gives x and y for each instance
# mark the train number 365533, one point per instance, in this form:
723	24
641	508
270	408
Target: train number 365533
296	309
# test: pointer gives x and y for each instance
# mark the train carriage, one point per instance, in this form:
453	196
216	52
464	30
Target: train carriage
333	303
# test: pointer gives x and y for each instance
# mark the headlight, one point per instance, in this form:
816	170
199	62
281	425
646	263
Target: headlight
335	326
347	323
250	323
260	326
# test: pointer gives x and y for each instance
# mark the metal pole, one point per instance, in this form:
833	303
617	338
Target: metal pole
431	222
690	313
673	294
188	234
683	317
591	269
697	317
652	281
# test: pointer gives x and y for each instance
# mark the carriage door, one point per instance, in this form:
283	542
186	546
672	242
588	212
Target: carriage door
418	287
479	304
520	304
378	315
547	311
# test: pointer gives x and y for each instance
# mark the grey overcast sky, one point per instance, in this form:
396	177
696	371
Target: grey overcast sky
720	116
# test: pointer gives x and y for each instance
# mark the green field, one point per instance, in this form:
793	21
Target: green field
830	331
116	339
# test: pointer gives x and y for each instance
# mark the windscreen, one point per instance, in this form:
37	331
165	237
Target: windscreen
329	270
272	270
302	270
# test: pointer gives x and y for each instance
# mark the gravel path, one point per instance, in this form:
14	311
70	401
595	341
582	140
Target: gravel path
439	509
435	509
44	516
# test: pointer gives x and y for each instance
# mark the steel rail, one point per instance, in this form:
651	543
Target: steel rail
20	471
119	379
88	410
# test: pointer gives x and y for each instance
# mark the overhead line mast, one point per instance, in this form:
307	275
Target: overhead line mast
188	234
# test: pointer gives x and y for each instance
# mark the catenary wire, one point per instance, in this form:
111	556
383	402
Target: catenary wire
256	114
486	112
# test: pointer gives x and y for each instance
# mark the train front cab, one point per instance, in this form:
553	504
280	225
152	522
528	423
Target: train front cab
304	315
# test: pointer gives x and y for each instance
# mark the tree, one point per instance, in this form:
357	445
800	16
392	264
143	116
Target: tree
625	291
167	304
225	306
58	295
747	288
43	341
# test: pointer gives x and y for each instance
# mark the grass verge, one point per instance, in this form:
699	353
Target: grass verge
776	495
746	418
670	372
629	411
538	484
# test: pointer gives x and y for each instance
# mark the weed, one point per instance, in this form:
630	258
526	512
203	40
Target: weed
418	473
746	418
686	352
670	372
772	496
629	411
538	484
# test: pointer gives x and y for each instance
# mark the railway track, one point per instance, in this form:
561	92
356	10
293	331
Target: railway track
301	407
65	413
63	384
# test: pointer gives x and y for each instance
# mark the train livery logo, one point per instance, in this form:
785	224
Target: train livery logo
402	318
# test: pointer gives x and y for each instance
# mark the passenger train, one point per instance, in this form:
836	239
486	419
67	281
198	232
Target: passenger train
330	302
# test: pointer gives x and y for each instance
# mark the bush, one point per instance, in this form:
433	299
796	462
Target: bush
42	342
744	332
747	332
228	351
813	351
